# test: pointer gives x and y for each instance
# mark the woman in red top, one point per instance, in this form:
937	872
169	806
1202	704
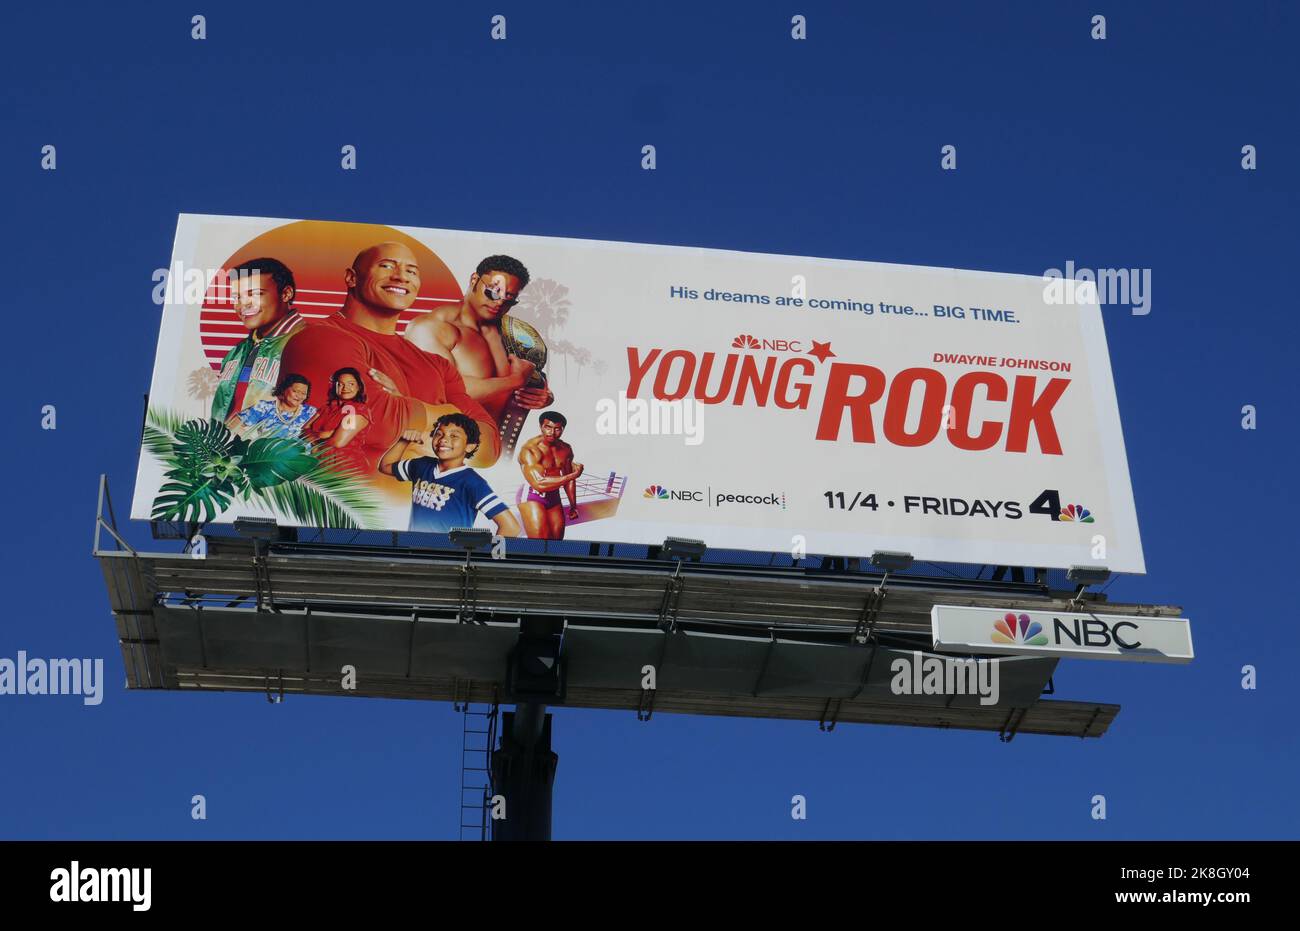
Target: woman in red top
339	430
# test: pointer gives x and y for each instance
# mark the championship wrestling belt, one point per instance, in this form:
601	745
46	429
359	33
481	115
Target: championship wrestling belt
520	339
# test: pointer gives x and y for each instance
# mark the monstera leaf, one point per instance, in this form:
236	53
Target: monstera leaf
273	460
203	439
188	500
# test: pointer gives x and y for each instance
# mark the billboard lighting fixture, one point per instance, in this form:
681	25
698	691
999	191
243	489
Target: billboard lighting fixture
261	530
470	538
683	548
1083	576
891	562
257	528
1088	575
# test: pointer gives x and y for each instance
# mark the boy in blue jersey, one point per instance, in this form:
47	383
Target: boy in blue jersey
446	493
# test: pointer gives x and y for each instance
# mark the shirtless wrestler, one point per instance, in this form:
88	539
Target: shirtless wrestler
547	464
469	334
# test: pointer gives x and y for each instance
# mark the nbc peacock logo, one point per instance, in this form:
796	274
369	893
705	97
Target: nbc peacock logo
655	491
745	341
1020	631
1077	513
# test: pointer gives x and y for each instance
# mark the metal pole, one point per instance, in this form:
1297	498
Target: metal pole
523	768
523	773
529	720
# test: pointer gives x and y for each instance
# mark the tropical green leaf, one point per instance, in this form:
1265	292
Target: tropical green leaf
160	426
272	460
182	500
187	474
206	441
326	496
207	466
203	459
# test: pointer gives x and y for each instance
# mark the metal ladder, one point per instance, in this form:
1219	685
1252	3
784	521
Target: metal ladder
478	737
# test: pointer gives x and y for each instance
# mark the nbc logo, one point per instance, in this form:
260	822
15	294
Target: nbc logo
744	341
1021	631
660	493
1076	512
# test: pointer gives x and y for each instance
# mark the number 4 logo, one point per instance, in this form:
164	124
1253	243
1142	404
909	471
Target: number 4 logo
1049	503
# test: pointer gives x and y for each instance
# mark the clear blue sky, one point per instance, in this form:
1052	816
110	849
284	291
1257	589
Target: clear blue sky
1115	153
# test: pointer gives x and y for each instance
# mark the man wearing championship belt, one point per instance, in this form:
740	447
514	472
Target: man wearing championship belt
500	358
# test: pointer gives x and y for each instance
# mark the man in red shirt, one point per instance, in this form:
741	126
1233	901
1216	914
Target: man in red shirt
412	388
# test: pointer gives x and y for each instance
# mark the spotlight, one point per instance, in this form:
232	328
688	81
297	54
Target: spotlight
682	548
1088	575
257	528
470	538
891	562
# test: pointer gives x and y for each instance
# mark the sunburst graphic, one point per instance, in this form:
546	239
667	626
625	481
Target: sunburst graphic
1077	513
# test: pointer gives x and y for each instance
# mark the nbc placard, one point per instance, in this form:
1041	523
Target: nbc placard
959	629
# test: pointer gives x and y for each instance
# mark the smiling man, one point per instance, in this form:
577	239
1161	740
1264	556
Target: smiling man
261	292
411	388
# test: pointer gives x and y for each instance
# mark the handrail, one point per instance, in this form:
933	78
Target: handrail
106	500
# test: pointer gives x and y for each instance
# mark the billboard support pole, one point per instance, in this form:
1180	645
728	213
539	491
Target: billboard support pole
523	767
523	774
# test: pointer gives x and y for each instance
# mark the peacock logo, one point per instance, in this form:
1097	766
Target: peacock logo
1077	513
655	491
1020	631
745	341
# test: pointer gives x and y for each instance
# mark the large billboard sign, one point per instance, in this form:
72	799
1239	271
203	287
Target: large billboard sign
354	375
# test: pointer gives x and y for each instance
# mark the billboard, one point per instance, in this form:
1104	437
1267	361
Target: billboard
1133	638
357	375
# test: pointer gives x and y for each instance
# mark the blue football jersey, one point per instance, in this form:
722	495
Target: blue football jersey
441	501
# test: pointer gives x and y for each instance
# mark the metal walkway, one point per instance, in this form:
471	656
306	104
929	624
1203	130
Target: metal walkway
420	623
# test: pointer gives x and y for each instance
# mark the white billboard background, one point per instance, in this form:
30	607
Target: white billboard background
619	296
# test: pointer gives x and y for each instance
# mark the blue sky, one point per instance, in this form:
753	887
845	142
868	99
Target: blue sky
1117	153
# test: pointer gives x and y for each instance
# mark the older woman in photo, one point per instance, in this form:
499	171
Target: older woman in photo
283	415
